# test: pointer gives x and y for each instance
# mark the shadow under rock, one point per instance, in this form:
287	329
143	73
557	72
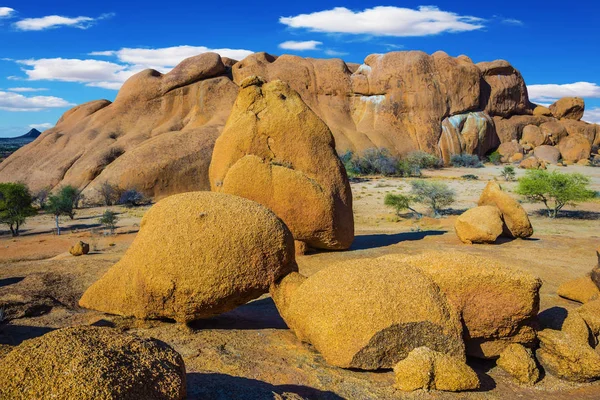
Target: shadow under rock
14	335
481	368
364	242
258	314
217	386
571	214
11	281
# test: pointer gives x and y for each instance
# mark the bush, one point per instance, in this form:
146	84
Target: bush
423	160
495	157
400	202
110	193
109	220
406	169
470	177
132	198
436	195
555	189
508	173
381	162
466	160
15	206
42	197
72	195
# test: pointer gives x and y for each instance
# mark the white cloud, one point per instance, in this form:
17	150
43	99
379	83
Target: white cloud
385	21
17	102
300	46
55	21
512	21
26	89
549	93
592	115
335	53
6	12
42	127
111	75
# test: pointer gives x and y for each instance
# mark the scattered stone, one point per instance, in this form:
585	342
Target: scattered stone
92	363
514	215
79	249
285	160
564	357
581	290
498	303
368	313
197	255
548	154
568	107
519	362
431	370
479	225
574	148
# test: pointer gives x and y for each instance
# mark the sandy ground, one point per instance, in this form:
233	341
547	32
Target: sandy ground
249	353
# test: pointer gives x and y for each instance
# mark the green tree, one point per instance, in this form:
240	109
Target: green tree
15	205
73	195
555	189
400	202
508	173
436	195
109	220
60	204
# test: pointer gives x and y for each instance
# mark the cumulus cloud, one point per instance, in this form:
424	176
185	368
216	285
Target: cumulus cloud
112	74
42	127
55	21
6	12
17	102
26	89
385	21
300	46
592	115
549	93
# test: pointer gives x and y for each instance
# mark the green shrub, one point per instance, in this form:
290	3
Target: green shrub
406	169
555	189
423	160
400	202
495	157
15	206
508	173
470	177
436	195
466	160
60	204
109	220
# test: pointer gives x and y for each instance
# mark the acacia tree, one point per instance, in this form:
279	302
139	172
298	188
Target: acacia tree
15	205
555	189
436	195
60	204
400	202
109	220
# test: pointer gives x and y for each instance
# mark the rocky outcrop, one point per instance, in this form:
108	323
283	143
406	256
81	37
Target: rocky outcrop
334	311
196	255
431	370
276	151
92	363
503	90
514	215
470	133
479	225
568	108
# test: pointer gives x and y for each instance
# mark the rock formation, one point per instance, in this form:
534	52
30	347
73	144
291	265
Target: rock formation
92	363
158	135
276	151
196	255
479	225
519	362
368	314
514	215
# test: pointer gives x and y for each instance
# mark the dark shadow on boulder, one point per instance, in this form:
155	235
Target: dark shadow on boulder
10	281
364	242
553	318
14	335
258	314
481	368
217	386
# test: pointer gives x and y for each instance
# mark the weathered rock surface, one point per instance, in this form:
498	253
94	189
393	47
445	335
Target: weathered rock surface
431	370
469	133
574	148
562	356
581	128
520	363
503	89
369	314
514	215
581	290
533	135
92	363
553	131
543	111
590	313
276	151
548	154
568	107
196	255
479	225
80	248
508	149
497	303
595	274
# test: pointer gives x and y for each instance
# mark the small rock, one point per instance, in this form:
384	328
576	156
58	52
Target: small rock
581	289
530	163
79	249
431	370
519	362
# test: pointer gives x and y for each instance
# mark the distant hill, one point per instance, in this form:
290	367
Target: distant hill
10	145
29	136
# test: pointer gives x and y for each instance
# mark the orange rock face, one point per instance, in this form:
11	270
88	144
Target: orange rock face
276	151
568	107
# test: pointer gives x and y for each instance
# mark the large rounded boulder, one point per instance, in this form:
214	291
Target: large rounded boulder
569	108
196	255
479	225
574	148
88	363
368	314
514	215
275	150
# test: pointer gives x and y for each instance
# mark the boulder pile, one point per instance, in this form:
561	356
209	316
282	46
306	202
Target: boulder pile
276	151
196	255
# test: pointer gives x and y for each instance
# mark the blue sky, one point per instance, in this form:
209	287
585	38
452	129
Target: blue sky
61	53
